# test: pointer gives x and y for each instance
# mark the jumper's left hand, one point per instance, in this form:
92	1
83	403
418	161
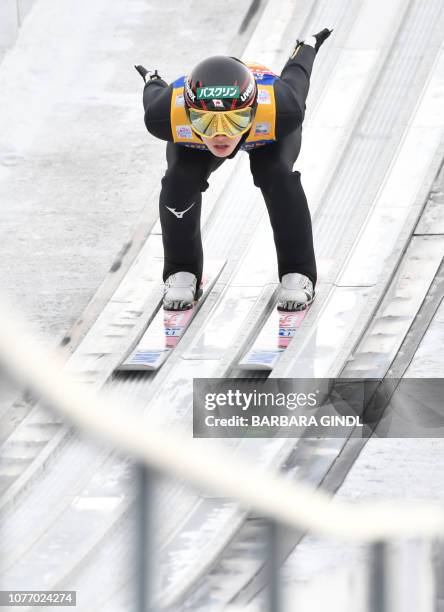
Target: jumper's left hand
321	37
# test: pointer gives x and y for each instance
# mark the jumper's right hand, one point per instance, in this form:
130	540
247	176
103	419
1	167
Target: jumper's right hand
320	37
143	72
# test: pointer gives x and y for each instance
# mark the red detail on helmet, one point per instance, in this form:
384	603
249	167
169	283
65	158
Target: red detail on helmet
217	71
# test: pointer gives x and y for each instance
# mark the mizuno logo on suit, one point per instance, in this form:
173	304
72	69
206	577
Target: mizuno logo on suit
180	213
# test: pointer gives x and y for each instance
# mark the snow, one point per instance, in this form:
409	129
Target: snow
77	167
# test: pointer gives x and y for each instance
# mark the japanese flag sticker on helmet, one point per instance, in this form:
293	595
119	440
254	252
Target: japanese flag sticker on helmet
221	78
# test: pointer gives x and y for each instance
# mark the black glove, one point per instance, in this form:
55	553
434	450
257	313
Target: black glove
297	46
143	72
321	36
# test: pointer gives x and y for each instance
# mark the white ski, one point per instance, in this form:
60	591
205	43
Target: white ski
167	328
272	341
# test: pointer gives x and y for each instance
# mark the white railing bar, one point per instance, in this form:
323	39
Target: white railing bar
201	464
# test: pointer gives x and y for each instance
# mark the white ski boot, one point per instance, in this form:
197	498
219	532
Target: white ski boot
180	291
296	292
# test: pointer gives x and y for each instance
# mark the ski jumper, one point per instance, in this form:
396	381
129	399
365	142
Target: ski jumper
273	144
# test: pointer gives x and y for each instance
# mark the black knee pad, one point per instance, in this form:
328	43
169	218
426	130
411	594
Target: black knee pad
181	181
267	174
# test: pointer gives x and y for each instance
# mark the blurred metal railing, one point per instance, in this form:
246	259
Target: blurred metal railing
158	452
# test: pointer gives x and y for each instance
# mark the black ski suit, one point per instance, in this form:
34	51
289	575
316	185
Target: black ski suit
271	166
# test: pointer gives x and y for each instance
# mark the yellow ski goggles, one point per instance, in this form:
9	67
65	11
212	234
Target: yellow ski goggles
229	123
